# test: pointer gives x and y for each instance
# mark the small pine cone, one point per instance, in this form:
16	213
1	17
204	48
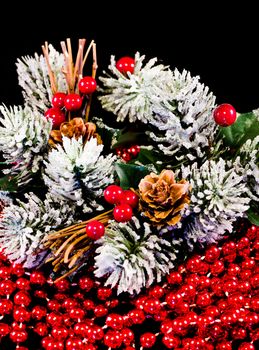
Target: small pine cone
162	200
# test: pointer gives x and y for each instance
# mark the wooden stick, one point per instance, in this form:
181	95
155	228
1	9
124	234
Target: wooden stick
65	243
70	66
67	273
77	256
65	53
79	59
71	247
87	53
94	69
51	74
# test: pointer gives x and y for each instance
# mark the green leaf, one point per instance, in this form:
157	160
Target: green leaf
246	127
253	217
130	174
130	138
8	184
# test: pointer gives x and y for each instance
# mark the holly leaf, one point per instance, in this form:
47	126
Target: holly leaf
130	174
246	127
129	138
253	216
8	184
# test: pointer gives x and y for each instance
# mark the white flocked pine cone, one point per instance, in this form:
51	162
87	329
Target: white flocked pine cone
79	173
24	137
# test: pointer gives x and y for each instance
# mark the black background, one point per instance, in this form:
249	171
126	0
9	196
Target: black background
217	42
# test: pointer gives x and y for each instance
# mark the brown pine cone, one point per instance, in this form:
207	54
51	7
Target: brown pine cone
162	199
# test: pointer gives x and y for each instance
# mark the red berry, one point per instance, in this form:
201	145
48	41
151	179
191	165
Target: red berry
225	114
100	311
157	292
41	329
54	319
147	340
125	64
126	156
23	283
130	198
7	287
94	229
59	332
20	314
5	272
113	194
122	213
134	150
76	313
152	306
73	102
62	285
53	305
87	85
58	99
136	316
212	253
56	116
74	343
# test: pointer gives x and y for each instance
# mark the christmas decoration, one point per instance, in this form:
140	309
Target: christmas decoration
134	233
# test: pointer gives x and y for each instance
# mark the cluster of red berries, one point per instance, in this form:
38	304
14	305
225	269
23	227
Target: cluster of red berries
124	200
128	153
70	102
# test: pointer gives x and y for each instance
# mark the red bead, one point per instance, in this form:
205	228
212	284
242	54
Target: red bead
127	336
229	248
173	298
56	116
86	284
134	150
104	293
180	325
225	114
20	314
113	339
59	332
156	292
239	333
248	264
112	303
76	313
74	343
41	329
100	311
90	347
73	102
216	332
62	285
69	303
87	85
244	287
114	321
228	318
40	294
122	213
225	345
125	64
54	319
94	229
233	270
193	264
130	198
97	333
182	308
147	340
170	341
255	281
7	287
217	268
88	304
204	283
22	298
18	336
53	305
6	306
23	284
203	299
113	194
37	277
174	278
152	306
5	272
38	312
166	326
5	329
230	286
255	303
137	316
212	254
188	292
246	346
58	99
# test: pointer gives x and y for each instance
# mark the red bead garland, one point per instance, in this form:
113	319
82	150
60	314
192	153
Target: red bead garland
209	302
